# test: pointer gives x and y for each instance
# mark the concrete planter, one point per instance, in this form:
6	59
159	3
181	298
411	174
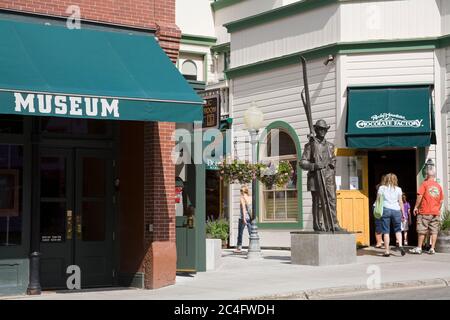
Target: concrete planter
213	253
443	242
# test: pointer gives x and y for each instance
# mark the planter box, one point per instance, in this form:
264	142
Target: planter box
443	242
213	253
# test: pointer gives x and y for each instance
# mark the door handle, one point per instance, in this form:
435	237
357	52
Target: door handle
69	226
78	227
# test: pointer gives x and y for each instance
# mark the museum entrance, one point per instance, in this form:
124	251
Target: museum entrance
403	164
74	201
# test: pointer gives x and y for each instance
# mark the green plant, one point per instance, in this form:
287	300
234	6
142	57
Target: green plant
445	220
243	172
236	171
217	229
275	174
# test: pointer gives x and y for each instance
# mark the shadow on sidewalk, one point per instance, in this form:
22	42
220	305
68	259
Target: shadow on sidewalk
186	274
89	290
378	252
283	259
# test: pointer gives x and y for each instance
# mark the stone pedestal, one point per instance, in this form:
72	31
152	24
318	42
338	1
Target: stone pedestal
323	249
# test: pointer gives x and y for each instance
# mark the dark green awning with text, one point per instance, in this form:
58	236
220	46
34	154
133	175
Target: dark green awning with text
50	70
390	117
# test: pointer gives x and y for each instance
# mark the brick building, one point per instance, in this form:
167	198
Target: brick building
84	187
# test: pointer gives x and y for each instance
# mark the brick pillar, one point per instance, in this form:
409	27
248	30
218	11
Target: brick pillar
159	205
169	36
160	260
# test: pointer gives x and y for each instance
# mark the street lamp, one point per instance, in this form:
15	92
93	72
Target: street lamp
253	119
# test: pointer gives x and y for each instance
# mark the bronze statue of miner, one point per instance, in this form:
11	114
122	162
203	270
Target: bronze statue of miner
325	161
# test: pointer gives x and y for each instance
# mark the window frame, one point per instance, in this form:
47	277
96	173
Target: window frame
282	126
188	76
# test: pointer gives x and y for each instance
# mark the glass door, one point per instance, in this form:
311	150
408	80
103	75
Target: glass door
76	217
94	217
55	189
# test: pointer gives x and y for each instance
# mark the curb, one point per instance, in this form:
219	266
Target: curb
329	292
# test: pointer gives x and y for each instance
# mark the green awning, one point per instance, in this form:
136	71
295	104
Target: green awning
390	117
50	70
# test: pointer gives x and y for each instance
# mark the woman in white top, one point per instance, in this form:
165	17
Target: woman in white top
392	211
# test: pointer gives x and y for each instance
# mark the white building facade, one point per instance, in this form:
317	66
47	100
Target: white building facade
391	49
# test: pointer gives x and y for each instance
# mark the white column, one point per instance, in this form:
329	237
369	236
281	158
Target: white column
440	118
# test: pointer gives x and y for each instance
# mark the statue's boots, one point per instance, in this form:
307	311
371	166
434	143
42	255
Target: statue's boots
339	228
319	228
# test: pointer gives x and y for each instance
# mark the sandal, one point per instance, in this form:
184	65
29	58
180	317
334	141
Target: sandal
386	254
379	246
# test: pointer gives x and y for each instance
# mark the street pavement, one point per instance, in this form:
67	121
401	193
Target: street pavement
439	293
274	277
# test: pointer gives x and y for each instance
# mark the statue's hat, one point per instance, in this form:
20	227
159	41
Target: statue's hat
321	124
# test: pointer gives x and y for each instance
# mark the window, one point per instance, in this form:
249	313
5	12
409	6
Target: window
11	171
11	124
73	126
280	204
349	173
189	70
226	61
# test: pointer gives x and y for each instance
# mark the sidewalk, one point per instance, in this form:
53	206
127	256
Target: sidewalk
274	277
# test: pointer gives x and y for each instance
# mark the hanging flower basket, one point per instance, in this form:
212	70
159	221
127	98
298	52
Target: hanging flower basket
236	171
243	172
275	174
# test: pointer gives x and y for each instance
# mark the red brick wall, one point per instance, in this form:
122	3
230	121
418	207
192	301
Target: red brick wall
154	14
159	205
159	180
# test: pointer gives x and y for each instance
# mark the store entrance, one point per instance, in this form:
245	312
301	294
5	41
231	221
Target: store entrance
75	199
403	164
213	195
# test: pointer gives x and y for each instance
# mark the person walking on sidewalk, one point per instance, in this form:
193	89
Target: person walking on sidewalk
406	219
378	222
392	211
245	216
428	209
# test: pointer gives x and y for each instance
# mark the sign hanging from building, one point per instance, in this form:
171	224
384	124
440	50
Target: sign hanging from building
211	112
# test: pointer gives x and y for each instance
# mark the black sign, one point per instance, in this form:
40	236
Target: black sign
211	112
51	238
